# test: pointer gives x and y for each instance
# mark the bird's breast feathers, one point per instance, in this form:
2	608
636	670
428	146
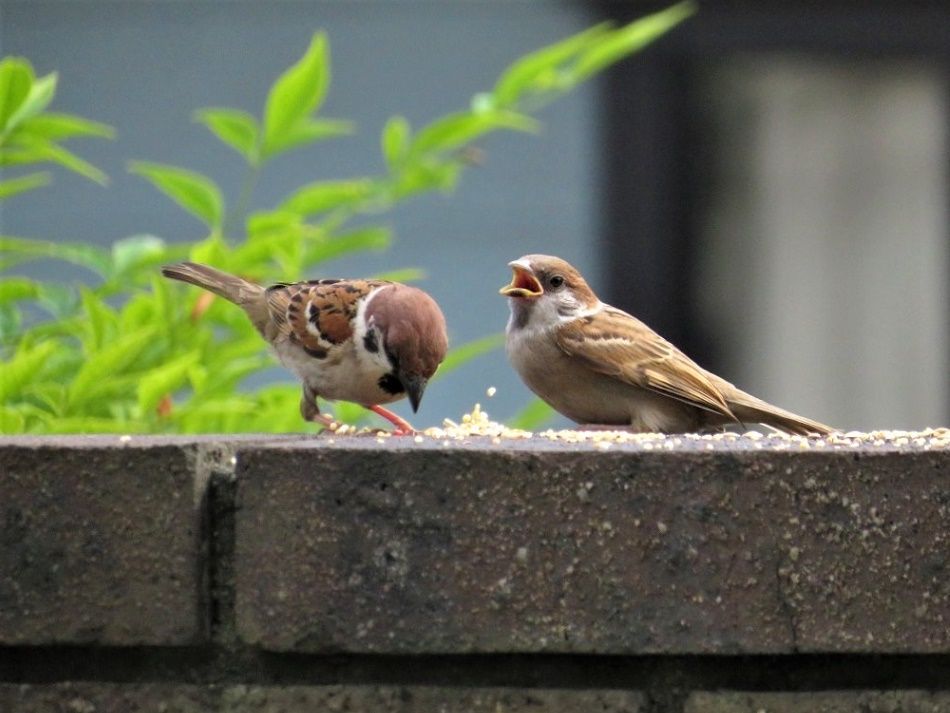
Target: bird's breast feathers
325	339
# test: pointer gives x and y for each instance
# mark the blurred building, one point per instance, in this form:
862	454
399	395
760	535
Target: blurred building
767	186
778	202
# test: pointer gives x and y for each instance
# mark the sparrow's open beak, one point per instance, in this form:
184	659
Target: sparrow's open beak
415	386
523	282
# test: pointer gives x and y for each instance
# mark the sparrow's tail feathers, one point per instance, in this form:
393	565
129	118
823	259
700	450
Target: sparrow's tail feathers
231	287
749	409
247	295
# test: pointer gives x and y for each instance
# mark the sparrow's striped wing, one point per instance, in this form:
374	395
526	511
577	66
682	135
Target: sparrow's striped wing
614	343
318	315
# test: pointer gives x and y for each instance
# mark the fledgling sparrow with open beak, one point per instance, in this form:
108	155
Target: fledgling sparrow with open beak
597	364
367	341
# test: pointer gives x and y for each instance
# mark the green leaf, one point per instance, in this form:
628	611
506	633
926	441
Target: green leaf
306	132
222	381
395	141
630	38
427	175
164	380
40	95
16	79
13	289
101	320
211	251
455	130
14	251
195	193
353	414
297	93
538	71
237	129
322	196
406	274
362	240
470	350
31	149
58	127
102	366
225	415
94	424
10	321
12	186
23	368
135	252
532	416
60	301
11	421
265	223
268	233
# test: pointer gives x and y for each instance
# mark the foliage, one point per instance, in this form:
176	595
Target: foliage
137	353
31	135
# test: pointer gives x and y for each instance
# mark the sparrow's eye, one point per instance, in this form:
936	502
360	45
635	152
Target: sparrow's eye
556	281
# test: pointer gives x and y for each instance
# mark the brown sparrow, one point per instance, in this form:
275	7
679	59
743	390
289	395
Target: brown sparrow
368	341
596	364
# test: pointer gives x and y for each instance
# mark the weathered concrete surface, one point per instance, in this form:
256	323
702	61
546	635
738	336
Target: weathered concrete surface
422	548
174	698
100	541
820	702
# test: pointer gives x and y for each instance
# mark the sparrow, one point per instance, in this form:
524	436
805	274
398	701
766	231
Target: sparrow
597	364
367	341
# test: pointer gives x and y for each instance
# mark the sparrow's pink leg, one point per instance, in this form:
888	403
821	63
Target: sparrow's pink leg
403	427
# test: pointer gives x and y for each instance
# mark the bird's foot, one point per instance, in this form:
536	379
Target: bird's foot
328	422
402	426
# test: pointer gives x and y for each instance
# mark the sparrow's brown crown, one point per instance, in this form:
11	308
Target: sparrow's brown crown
414	334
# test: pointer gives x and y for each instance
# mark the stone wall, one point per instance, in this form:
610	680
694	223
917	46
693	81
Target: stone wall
293	574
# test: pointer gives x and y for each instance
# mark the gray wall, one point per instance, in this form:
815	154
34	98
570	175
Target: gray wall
143	67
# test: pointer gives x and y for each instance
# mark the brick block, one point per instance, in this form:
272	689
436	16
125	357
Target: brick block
820	702
100	541
173	698
424	699
537	547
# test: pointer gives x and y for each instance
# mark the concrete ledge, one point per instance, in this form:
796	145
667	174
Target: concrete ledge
173	698
824	702
422	548
212	574
100	542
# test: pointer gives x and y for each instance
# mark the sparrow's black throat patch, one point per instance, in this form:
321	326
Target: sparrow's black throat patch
520	314
390	384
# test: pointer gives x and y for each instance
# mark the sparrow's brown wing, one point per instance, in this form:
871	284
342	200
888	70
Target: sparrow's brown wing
318	315
617	344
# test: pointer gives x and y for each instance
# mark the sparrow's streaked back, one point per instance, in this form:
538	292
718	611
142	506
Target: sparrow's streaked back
597	364
367	341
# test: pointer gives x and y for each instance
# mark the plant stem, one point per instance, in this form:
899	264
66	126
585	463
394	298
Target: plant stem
241	207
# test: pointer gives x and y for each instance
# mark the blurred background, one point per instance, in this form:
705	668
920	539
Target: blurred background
766	186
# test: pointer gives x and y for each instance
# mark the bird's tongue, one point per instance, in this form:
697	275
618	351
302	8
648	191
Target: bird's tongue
523	284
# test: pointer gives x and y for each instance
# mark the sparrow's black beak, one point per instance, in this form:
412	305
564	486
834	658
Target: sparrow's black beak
415	386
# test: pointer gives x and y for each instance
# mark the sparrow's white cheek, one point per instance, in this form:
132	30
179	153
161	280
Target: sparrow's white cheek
371	349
